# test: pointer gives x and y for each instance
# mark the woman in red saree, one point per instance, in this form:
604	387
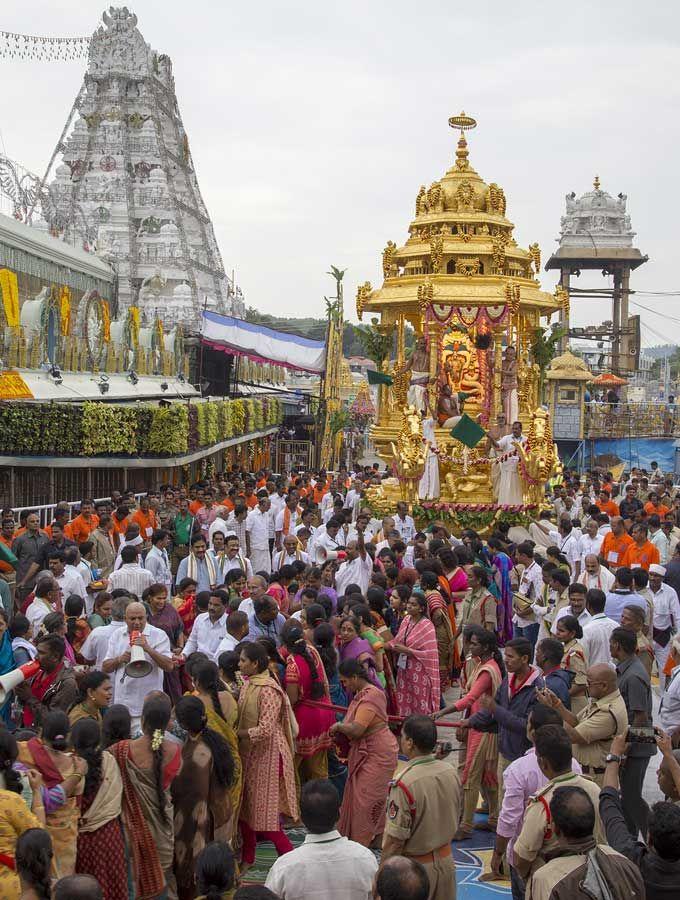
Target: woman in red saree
148	766
481	757
416	661
372	757
305	679
437	610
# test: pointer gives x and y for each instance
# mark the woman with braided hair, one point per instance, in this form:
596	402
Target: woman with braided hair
200	792
16	818
222	714
305	679
148	765
101	844
34	866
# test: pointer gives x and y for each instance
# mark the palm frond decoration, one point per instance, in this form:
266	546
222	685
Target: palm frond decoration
377	344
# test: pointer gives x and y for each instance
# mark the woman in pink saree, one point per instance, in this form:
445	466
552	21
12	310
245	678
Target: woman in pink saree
481	756
416	661
371	760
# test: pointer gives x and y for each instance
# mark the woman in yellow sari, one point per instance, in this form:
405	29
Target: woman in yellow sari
222	714
58	768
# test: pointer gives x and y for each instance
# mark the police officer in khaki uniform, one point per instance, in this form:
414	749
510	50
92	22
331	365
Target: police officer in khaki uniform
591	732
537	837
423	808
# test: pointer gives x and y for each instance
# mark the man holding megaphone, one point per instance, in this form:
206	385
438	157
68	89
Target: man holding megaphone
137	656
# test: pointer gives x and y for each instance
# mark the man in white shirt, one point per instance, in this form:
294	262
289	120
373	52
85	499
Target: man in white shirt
237	630
576	608
669	708
258	526
96	643
257	588
69	582
208	630
404	523
131	576
131	692
277	500
569	544
327	865
509	485
590	541
46	591
594	575
288	554
157	562
659	538
234	558
357	569
596	633
326	541
666	618
530	586
286	520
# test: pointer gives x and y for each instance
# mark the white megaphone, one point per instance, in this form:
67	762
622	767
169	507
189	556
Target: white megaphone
139	665
14	678
324	555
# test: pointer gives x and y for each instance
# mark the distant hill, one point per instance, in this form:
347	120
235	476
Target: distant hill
659	351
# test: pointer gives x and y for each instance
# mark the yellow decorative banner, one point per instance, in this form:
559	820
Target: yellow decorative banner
106	321
13	386
65	311
134	322
159	326
10	296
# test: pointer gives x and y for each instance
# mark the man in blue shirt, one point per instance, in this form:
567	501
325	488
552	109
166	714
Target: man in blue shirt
265	621
622	595
549	653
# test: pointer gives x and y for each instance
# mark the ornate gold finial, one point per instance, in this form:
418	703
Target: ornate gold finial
596	183
363	292
464	123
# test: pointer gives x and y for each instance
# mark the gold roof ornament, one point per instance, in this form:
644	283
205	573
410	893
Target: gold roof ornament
596	183
568	367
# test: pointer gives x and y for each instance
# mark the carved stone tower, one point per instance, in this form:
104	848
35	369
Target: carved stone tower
127	185
596	234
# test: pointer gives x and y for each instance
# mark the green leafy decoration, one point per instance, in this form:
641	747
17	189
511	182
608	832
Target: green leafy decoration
377	346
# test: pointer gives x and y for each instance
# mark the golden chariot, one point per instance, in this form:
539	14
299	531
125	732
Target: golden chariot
473	297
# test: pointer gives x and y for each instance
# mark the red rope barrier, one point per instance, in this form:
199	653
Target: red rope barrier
394	720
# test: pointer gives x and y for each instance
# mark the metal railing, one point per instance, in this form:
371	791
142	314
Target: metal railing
46	512
646	419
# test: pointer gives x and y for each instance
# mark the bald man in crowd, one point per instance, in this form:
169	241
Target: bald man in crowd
591	732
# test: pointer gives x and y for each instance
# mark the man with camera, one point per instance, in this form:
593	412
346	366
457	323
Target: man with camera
635	688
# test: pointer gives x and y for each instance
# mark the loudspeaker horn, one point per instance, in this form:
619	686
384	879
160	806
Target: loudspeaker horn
14	678
139	665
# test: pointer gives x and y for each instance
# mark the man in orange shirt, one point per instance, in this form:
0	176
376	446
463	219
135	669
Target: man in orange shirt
606	505
121	520
147	520
615	544
249	496
654	506
62	514
197	502
80	529
641	552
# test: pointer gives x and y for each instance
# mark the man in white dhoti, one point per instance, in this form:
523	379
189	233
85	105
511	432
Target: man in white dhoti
419	364
509	384
509	483
428	489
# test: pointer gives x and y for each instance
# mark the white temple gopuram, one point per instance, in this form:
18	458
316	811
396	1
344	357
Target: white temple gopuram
122	180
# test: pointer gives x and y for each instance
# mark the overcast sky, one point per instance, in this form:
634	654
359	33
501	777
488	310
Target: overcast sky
312	125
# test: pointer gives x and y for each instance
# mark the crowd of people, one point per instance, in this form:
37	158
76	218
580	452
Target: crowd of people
204	670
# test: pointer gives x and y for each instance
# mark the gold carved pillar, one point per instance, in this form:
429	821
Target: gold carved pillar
435	335
497	399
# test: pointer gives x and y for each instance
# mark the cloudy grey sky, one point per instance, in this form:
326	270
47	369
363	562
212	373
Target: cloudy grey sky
312	125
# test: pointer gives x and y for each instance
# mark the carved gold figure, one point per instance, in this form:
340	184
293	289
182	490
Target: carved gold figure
388	253
410	452
539	459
